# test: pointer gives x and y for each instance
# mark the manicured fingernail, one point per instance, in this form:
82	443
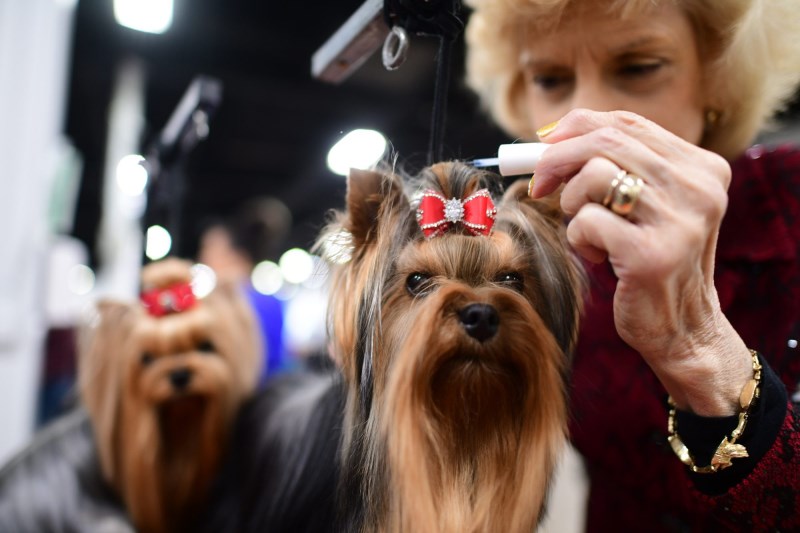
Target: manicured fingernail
544	131
530	185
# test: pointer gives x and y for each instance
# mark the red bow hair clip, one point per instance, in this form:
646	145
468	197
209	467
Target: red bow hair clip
173	299
436	214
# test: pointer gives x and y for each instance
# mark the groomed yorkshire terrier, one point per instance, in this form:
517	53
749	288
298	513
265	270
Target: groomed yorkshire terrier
451	320
162	381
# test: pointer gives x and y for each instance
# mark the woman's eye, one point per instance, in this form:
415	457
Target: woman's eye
418	283
550	82
512	280
638	70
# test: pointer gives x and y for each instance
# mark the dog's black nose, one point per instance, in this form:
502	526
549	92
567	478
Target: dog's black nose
180	378
480	321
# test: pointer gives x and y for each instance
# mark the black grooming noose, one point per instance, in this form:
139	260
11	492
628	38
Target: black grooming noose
437	18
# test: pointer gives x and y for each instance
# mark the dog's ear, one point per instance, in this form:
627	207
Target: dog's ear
377	216
549	206
101	364
234	330
369	194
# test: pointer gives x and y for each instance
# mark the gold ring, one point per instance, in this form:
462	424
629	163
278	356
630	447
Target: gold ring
623	193
613	187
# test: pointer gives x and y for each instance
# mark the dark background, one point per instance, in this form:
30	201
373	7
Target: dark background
271	135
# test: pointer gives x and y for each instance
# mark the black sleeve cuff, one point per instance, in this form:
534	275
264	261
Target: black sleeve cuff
702	435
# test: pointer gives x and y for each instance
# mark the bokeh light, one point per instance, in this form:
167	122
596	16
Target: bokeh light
150	16
267	278
358	149
203	280
80	280
296	265
131	175
159	243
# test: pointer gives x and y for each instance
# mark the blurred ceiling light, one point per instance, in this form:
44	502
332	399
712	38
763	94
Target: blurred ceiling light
357	149
80	280
203	280
151	16
267	278
296	265
159	242
131	175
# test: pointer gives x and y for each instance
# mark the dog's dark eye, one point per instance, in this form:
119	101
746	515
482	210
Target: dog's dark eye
418	283
512	280
147	358
206	347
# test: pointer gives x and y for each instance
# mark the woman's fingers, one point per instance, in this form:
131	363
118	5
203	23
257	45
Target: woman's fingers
633	143
596	233
563	160
600	181
582	121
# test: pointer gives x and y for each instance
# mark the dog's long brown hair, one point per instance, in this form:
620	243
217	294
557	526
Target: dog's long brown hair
445	432
160	449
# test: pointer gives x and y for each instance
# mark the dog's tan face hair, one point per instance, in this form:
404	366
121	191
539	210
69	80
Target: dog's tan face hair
455	350
161	393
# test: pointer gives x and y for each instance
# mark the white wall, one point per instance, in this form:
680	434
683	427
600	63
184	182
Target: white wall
35	37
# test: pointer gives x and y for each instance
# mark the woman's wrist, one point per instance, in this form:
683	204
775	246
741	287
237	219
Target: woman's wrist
729	448
709	381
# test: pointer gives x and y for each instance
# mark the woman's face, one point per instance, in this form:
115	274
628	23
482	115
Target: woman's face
648	64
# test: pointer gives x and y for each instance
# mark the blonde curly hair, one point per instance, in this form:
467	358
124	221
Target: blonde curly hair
750	50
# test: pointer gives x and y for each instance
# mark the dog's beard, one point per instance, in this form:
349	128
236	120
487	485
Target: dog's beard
169	454
192	432
472	429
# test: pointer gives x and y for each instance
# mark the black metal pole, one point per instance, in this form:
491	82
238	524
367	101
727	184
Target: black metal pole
441	88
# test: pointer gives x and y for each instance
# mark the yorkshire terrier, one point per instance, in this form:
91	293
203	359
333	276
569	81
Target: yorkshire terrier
451	321
162	381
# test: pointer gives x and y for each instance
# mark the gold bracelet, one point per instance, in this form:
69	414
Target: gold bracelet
727	449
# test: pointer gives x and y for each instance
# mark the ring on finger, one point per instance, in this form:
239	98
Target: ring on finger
623	193
612	187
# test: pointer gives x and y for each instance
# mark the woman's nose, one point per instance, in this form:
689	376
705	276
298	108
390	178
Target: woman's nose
595	95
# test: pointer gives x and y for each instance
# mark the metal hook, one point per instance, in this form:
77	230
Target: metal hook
395	48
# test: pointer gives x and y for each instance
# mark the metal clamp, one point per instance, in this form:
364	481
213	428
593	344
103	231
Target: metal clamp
395	48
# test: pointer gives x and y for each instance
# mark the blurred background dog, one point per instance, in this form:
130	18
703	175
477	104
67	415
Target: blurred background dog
452	320
162	381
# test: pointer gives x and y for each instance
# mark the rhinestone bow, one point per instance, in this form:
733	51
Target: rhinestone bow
436	214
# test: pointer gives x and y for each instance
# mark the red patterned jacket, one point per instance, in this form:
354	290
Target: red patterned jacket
619	413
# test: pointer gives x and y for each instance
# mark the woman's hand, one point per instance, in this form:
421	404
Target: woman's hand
665	306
